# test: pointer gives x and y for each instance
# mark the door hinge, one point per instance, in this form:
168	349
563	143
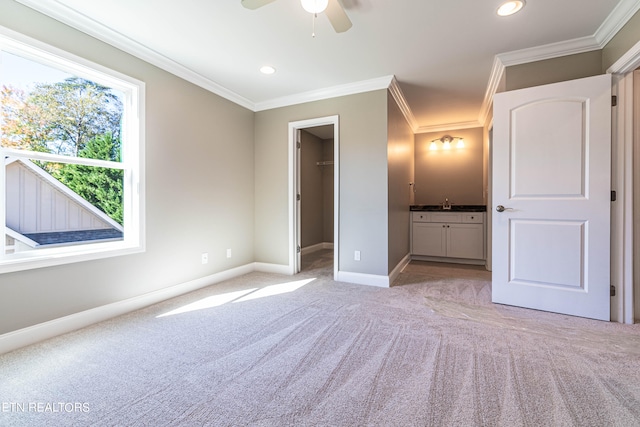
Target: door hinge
298	144
613	291
614	196
614	101
298	197
298	249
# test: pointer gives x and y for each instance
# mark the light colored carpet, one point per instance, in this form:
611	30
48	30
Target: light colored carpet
431	351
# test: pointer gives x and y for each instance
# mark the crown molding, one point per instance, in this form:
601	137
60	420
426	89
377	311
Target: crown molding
622	13
401	101
89	26
524	56
326	93
449	126
627	62
497	72
609	28
549	51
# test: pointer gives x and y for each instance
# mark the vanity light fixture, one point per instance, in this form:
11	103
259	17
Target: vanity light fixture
447	141
510	7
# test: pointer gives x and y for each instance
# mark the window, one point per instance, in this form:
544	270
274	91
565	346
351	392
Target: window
71	136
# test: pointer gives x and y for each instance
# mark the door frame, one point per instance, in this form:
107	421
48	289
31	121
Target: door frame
622	213
635	285
294	188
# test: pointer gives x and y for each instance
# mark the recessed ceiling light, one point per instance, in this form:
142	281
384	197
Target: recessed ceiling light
510	7
267	69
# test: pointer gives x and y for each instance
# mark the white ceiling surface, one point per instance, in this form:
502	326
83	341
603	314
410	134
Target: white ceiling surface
442	53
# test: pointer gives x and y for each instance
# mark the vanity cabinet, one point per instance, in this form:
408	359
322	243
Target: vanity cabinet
456	236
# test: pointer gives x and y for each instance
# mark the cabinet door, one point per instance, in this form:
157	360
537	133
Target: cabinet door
429	239
465	241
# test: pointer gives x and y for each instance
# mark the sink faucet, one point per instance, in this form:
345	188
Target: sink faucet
446	205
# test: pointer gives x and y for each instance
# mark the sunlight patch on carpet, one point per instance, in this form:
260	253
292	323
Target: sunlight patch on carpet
280	288
209	302
239	296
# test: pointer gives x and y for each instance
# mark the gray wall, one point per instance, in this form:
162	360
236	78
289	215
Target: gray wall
400	157
328	192
311	190
575	66
199	190
456	174
554	70
210	165
363	179
624	40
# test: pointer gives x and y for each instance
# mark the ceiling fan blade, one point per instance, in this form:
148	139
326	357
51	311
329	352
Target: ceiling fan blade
254	4
337	16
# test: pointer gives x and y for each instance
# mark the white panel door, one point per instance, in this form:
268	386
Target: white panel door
551	195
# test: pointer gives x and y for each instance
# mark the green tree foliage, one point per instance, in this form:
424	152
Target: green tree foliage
60	117
18	131
102	187
74	117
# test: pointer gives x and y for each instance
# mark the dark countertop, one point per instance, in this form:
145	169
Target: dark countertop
454	208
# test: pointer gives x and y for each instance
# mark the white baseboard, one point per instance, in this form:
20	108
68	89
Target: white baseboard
316	247
401	265
273	268
373	279
32	334
42	331
449	260
363	279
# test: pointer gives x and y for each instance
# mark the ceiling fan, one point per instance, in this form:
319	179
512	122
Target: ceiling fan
332	8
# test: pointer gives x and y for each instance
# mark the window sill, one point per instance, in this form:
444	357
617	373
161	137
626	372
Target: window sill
58	256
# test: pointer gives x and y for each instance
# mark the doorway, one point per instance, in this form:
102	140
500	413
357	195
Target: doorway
314	196
316	202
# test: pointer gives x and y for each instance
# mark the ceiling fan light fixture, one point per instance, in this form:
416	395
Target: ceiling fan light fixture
314	6
510	7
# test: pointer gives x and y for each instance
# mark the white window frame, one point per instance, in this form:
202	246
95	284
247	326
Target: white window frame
132	158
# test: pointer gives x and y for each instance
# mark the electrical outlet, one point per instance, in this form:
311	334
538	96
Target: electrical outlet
356	255
228	253
205	258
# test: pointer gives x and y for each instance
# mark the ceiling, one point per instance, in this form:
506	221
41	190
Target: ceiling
446	56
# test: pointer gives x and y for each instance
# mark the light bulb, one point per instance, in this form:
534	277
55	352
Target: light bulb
314	6
510	7
460	143
433	146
